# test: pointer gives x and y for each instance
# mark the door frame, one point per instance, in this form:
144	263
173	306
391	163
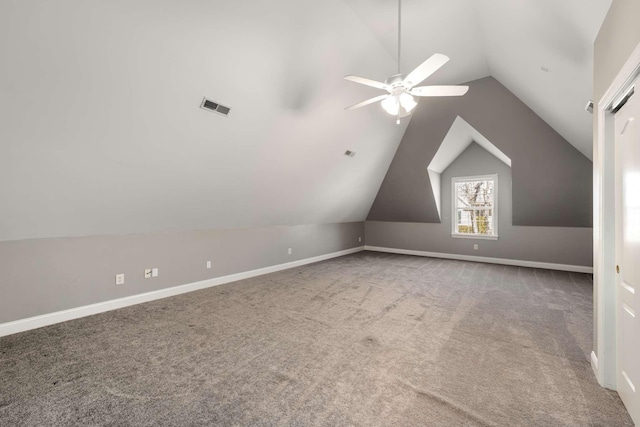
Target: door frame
604	354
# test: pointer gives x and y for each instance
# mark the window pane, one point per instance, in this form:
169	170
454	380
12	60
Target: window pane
474	193
474	207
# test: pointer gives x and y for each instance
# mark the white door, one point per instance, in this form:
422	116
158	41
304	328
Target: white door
628	253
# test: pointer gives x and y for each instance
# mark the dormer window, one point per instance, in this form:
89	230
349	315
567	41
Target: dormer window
475	212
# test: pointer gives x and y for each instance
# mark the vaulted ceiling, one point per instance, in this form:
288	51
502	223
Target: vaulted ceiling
100	130
541	50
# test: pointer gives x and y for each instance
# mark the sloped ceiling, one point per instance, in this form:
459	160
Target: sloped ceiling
100	131
509	40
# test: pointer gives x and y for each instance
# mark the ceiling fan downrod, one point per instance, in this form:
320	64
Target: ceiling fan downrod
399	100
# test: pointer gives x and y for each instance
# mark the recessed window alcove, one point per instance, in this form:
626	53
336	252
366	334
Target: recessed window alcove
459	137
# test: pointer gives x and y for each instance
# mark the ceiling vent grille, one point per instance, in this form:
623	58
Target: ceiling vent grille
210	105
589	107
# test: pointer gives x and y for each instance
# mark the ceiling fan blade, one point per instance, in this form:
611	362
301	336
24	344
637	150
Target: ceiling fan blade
425	69
439	90
367	102
368	82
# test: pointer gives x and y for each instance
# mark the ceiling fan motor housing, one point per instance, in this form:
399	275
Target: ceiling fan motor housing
396	84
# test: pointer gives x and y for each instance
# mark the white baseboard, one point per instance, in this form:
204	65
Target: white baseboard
489	260
88	310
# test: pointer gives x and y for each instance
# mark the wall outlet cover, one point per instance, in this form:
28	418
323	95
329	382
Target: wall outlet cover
290	252
475	247
119	279
154	272
208	264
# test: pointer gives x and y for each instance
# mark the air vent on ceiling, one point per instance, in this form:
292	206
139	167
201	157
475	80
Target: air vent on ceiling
589	107
210	105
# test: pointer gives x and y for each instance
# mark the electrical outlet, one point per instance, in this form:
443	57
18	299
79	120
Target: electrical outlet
119	279
290	252
147	273
475	247
359	239
155	272
208	264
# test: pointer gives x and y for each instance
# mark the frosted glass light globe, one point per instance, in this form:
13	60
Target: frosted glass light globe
391	105
407	102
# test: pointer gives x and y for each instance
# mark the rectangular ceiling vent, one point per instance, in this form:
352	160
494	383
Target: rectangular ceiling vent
210	105
589	107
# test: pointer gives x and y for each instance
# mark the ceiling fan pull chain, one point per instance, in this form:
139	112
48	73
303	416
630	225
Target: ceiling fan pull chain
399	99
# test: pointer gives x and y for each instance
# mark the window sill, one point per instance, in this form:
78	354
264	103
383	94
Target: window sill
473	236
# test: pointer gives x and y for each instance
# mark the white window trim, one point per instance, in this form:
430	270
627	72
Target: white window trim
454	211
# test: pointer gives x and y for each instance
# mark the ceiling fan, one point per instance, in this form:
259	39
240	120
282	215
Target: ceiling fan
399	100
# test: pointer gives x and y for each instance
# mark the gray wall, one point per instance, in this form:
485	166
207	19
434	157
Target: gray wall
46	275
551	179
559	245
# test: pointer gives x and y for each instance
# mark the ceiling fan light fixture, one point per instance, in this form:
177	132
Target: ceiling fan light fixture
402	90
407	102
391	105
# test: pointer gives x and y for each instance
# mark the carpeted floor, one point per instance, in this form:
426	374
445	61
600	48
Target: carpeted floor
367	340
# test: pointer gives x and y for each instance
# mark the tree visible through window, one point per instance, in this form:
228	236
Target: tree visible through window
474	206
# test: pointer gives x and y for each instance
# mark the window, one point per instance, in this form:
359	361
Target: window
475	208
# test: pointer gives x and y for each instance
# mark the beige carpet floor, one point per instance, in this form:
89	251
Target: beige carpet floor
365	340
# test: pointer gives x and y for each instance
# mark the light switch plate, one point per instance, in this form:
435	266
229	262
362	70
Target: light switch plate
147	273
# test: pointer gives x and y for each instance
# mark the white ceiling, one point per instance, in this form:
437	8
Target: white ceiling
508	39
100	130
